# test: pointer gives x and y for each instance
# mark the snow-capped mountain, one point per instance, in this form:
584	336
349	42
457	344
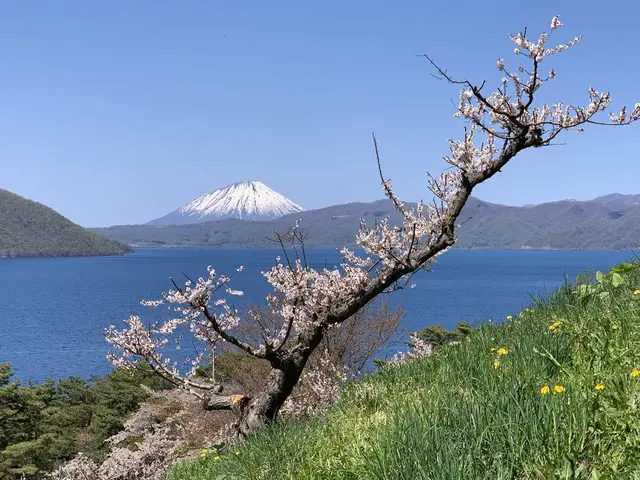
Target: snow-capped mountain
243	200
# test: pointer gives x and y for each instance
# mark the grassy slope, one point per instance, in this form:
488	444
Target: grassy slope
30	229
454	415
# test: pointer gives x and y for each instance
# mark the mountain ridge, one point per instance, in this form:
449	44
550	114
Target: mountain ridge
619	199
559	225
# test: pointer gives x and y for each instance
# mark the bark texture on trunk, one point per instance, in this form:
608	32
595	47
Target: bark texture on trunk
253	412
287	367
264	407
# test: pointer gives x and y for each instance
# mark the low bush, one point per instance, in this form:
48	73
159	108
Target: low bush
44	424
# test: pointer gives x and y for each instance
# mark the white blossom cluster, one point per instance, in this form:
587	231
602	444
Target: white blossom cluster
418	348
187	304
150	460
319	389
305	295
509	110
393	245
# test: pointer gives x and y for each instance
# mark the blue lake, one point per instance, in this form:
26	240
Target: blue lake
54	310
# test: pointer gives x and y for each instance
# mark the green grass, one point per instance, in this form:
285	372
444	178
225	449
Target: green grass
454	416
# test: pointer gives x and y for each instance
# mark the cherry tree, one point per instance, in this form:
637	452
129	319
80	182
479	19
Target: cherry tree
310	302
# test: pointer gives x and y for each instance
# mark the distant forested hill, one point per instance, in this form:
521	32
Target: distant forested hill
610	222
562	225
30	229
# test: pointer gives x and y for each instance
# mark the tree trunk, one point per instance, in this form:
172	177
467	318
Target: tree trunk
264	407
254	412
286	370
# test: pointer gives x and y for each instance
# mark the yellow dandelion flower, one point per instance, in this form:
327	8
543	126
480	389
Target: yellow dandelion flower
509	317
635	372
502	351
559	388
636	292
555	326
237	453
496	364
600	386
203	453
215	459
545	390
614	326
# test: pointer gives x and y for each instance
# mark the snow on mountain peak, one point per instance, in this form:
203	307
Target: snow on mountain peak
251	200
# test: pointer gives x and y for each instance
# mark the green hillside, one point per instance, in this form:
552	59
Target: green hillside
30	229
551	394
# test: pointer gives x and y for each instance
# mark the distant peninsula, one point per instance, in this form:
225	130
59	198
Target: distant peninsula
30	229
611	222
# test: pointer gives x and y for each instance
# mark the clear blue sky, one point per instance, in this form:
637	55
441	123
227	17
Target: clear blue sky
119	112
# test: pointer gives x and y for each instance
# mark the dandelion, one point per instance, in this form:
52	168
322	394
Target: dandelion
559	388
600	386
496	364
545	390
216	458
614	326
502	351
237	453
636	292
555	326
635	372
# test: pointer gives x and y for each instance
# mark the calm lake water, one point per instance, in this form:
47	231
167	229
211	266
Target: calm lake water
54	309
